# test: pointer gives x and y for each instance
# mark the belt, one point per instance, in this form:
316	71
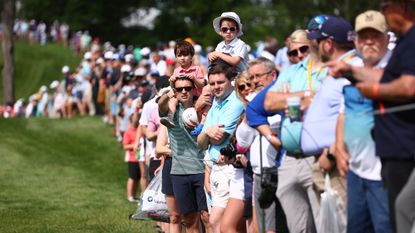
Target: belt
297	155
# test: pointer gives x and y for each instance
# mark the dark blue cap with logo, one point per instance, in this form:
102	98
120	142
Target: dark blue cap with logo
316	22
337	29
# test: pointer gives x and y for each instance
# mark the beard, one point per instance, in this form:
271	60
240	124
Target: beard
324	57
373	57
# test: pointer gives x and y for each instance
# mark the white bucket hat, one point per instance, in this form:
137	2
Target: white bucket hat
227	15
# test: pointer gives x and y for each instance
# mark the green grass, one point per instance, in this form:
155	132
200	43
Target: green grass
63	176
36	66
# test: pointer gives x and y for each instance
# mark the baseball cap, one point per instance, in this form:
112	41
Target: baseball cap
54	84
140	71
316	22
371	19
65	69
125	68
154	73
87	55
337	29
108	55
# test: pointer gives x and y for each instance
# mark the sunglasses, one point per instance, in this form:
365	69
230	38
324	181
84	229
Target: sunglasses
226	29
187	89
294	53
242	87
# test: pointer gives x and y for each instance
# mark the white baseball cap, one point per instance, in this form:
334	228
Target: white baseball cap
125	68
65	69
140	71
54	84
108	55
87	55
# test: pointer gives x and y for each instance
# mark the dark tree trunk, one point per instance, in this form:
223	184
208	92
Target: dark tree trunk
7	21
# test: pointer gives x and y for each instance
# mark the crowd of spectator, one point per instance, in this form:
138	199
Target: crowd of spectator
248	142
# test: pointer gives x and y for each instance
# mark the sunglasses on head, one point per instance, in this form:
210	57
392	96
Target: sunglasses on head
242	87
294	53
226	29
187	89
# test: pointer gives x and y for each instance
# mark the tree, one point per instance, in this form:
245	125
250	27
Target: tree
7	18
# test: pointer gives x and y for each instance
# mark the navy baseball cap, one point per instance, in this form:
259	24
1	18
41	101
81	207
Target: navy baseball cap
316	22
337	29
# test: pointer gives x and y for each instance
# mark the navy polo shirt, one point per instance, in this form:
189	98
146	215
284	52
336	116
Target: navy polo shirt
255	112
395	132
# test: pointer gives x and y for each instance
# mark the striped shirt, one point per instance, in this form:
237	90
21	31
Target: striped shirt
187	156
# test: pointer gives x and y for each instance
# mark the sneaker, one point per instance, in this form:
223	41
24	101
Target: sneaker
197	130
167	121
133	199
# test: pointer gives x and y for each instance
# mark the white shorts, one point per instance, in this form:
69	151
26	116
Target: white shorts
142	157
237	188
220	178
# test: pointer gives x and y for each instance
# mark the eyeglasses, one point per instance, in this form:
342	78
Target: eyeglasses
259	75
294	53
226	29
187	89
242	87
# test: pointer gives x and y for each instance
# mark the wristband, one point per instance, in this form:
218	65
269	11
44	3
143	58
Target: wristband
269	137
307	93
375	91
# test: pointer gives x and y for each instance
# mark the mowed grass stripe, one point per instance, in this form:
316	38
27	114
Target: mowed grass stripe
63	176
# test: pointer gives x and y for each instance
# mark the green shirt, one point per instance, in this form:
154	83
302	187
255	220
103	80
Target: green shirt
187	156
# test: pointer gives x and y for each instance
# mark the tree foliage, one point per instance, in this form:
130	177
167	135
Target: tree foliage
186	18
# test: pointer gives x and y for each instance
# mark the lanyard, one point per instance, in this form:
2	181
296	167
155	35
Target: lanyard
309	81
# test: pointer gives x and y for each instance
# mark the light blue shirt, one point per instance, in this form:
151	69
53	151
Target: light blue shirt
296	77
358	124
236	48
226	112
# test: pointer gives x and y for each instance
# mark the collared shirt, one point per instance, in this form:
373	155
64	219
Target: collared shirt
226	112
395	132
358	125
296	77
235	48
320	119
193	70
187	156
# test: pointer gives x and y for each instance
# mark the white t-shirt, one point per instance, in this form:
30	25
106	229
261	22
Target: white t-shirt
144	119
246	135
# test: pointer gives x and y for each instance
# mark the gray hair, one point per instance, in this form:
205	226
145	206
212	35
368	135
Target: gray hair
268	64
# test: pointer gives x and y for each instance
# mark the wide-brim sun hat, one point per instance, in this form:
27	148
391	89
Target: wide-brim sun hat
228	15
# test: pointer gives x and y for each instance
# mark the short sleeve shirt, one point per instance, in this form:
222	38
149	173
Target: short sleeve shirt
321	116
187	156
235	48
129	138
226	112
193	70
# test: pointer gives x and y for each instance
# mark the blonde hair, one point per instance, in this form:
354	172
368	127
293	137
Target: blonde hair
298	36
241	79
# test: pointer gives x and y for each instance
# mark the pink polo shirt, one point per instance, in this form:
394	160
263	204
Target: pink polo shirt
193	70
